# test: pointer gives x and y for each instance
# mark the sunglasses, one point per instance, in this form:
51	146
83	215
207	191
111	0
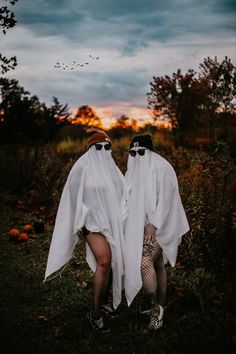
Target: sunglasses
106	147
141	152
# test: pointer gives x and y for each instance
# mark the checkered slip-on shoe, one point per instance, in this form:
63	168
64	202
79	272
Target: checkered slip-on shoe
156	322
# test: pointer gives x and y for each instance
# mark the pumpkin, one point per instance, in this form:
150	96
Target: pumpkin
14	234
27	228
23	237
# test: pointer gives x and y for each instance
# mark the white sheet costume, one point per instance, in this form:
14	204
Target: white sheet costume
152	197
92	197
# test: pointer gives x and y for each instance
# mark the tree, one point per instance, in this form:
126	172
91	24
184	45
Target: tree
86	117
123	126
221	95
177	99
22	115
23	118
55	118
7	20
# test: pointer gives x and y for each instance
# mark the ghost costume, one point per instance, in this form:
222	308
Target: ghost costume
152	197
92	198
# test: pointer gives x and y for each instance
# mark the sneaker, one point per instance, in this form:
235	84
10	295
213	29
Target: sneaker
156	322
108	309
145	312
97	325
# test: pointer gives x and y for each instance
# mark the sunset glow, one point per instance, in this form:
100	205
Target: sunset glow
109	114
100	54
142	116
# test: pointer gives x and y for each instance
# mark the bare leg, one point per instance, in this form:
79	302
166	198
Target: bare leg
102	252
107	294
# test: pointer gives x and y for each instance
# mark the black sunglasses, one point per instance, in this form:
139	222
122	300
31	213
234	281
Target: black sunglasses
106	147
133	153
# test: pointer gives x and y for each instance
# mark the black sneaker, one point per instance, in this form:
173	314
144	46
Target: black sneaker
108	309
144	309
97	325
145	312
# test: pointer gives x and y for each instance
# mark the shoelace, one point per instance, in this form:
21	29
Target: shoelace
99	322
108	308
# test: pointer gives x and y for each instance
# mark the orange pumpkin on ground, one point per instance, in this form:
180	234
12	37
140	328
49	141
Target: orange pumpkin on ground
23	237
27	228
14	234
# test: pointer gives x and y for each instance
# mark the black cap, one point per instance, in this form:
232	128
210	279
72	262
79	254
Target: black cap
144	140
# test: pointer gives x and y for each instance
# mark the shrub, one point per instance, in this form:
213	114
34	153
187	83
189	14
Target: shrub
206	186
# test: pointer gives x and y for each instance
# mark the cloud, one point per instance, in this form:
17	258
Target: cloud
130	24
134	39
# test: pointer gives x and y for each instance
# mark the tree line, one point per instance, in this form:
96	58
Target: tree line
24	119
190	101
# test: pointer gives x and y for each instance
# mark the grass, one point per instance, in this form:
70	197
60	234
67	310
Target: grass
51	317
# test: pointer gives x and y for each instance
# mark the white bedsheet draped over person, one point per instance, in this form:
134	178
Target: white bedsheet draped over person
91	197
152	198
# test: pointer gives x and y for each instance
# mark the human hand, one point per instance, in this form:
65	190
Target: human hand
149	233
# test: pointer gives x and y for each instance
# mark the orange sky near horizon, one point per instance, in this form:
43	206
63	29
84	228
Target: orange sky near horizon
109	115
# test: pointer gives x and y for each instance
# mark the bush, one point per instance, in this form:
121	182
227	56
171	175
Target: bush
207	189
206	182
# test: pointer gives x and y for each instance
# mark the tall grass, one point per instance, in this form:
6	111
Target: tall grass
71	146
16	168
206	181
200	287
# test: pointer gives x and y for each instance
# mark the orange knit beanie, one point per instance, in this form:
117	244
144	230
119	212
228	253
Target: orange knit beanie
97	136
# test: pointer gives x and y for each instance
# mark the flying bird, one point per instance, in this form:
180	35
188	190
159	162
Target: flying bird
74	64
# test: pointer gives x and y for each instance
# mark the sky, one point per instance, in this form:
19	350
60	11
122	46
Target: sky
134	40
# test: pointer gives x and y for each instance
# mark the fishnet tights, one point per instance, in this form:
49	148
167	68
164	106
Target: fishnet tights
102	252
154	275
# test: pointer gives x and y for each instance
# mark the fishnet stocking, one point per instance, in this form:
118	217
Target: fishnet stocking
161	280
154	275
102	252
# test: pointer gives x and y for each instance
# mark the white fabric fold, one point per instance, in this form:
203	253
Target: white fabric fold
92	197
152	197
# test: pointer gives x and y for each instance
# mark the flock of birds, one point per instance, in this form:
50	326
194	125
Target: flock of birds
75	64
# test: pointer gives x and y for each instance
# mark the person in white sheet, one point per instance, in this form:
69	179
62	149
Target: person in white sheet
154	225
91	205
